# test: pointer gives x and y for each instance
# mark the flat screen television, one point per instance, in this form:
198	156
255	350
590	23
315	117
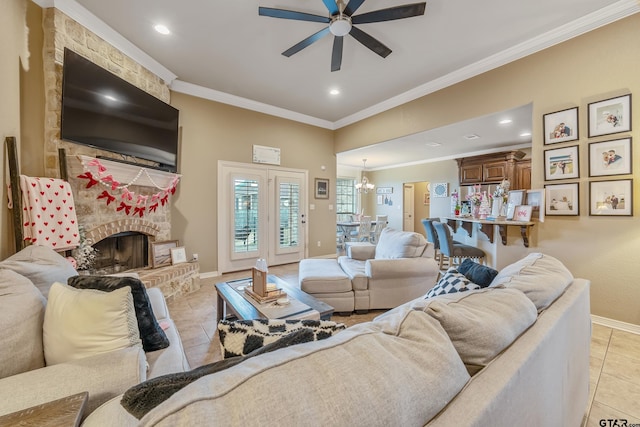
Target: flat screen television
101	110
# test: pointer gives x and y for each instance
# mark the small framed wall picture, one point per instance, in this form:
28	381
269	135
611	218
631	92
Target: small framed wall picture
611	198
609	116
522	213
440	189
161	253
516	198
561	163
610	157
535	199
321	188
178	255
561	126
562	199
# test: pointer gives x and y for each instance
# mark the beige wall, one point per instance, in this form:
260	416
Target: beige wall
212	131
592	67
12	34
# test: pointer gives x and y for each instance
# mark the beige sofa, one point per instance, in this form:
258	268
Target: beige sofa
25	381
399	268
515	353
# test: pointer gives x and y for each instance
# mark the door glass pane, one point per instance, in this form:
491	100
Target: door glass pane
289	214
245	215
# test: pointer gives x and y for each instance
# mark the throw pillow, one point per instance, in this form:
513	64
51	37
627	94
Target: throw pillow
399	244
483	323
42	265
241	337
479	274
152	335
452	281
21	319
541	277
142	398
84	322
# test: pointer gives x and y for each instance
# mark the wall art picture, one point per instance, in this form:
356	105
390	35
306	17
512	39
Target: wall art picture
161	253
562	199
561	163
610	157
522	213
322	188
178	255
611	198
516	198
440	189
610	116
561	126
535	199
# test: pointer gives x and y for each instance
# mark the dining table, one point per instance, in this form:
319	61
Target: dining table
346	227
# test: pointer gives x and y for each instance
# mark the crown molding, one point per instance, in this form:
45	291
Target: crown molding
249	104
602	17
85	18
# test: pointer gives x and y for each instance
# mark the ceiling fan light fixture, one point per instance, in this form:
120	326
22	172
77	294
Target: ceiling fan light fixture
340	25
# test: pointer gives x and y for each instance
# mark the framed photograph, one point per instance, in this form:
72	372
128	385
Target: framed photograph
516	198
384	190
522	213
535	199
611	198
561	163
561	126
426	199
610	157
161	253
440	189
379	199
178	255
322	188
610	116
562	199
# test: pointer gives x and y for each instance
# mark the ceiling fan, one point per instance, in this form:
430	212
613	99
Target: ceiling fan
341	22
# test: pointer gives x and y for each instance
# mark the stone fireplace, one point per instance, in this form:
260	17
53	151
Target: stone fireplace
123	238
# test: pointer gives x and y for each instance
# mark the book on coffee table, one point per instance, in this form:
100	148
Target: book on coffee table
270	295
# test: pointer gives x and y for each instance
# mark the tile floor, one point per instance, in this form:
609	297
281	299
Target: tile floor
615	354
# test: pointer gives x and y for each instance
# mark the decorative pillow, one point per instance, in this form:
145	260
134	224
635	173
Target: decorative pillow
21	318
483	323
399	244
241	337
152	335
84	322
541	277
452	281
142	398
479	274
42	265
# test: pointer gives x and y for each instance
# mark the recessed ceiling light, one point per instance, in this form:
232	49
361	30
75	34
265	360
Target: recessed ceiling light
334	92
472	136
162	29
525	134
505	121
433	144
110	97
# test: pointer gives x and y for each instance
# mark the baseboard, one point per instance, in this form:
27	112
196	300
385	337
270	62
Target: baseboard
209	274
616	324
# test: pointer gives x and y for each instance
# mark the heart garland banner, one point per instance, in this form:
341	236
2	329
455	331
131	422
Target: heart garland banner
96	172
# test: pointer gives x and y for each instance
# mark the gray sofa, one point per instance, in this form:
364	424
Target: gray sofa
25	381
399	268
514	353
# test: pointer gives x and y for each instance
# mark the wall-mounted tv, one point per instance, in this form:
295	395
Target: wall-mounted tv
101	110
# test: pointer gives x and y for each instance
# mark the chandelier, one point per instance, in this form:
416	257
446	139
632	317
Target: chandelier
364	186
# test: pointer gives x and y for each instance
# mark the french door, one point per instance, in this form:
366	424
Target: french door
262	215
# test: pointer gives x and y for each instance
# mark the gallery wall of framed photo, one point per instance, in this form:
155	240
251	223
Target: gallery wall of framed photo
609	159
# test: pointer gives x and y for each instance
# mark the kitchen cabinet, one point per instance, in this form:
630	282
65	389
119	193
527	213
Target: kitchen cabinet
493	168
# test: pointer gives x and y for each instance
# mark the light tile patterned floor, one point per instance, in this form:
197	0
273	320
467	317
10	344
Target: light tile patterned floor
615	354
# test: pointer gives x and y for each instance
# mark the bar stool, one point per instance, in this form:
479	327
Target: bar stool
455	252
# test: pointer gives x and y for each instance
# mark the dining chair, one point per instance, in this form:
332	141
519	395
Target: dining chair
381	223
455	252
432	237
364	229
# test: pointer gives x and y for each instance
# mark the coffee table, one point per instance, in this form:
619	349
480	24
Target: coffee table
236	303
62	412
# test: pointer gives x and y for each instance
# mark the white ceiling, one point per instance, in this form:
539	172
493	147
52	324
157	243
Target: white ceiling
222	50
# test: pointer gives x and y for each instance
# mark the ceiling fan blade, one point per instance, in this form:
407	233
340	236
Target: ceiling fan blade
352	7
332	6
370	42
290	14
306	42
398	12
336	54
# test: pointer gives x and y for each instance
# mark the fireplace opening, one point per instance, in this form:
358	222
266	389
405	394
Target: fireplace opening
121	252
